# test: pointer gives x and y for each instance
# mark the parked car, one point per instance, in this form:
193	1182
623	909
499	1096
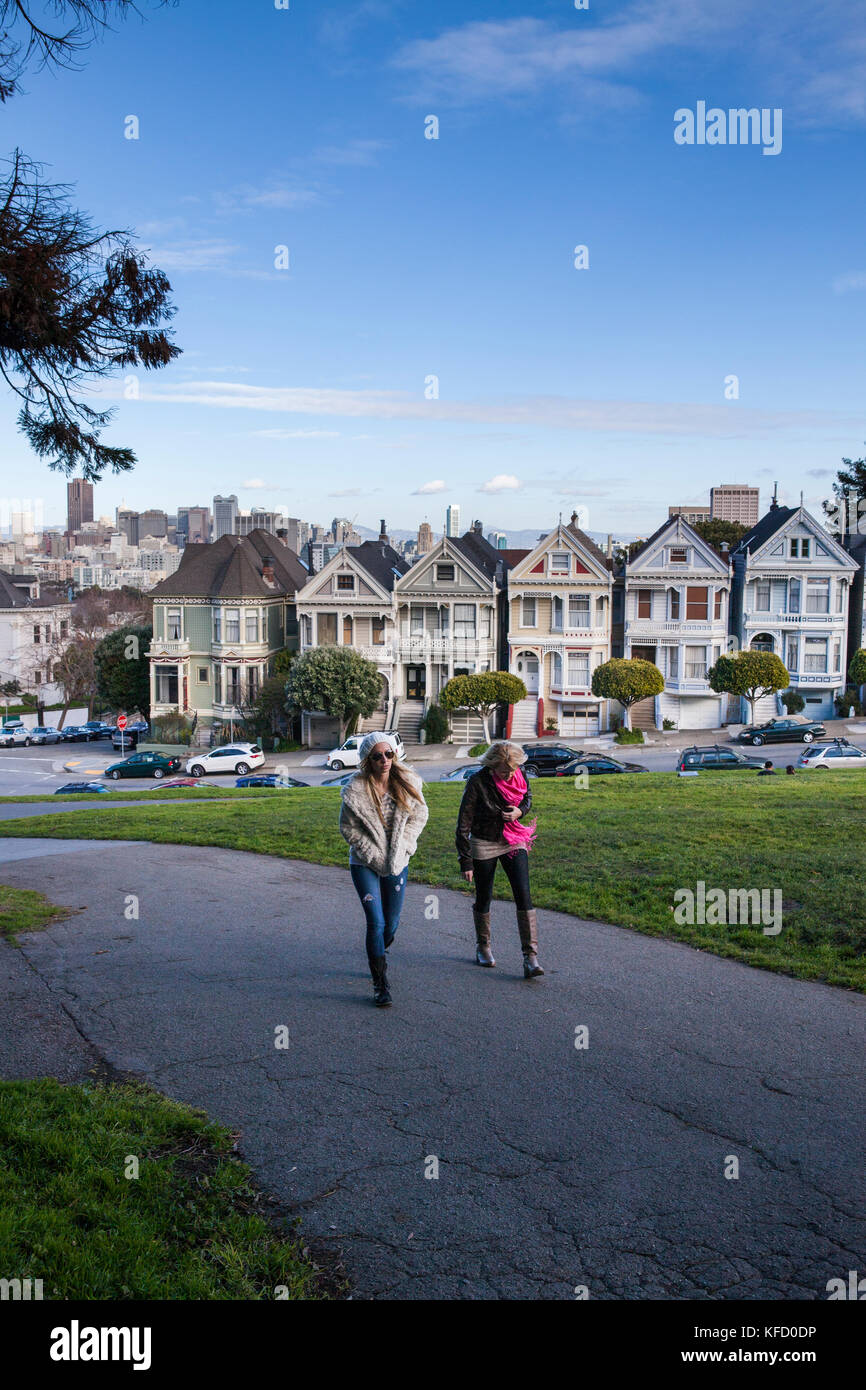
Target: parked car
85	788
239	758
542	759
716	758
143	765
178	782
460	774
98	728
791	730
78	733
347	754
837	755
18	737
124	740
45	733
338	781
269	779
595	764
13	722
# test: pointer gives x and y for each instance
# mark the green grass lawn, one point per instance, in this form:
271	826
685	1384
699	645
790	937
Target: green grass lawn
616	851
190	1226
23	909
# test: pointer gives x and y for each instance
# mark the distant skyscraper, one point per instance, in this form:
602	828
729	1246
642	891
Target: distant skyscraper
152	523
127	524
498	540
734	502
79	504
225	516
193	525
425	538
452	520
691	512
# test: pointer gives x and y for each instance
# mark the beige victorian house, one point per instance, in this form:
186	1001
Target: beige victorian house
559	618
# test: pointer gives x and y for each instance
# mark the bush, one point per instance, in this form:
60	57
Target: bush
668	724
478	750
629	736
171	728
850	698
435	725
793	701
550	724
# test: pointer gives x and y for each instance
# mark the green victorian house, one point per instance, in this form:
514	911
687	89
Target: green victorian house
218	623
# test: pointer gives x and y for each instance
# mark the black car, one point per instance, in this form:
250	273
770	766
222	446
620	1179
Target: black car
595	764
715	758
783	731
268	779
98	728
543	759
78	733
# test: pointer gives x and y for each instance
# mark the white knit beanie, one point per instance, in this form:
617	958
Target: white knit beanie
369	741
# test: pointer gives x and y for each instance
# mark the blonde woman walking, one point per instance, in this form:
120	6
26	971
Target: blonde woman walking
491	829
382	813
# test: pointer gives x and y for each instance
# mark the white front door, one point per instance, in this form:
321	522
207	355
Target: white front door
527	670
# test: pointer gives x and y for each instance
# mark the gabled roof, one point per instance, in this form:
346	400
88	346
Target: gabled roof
589	544
654	537
232	567
770	522
379	560
677	524
479	550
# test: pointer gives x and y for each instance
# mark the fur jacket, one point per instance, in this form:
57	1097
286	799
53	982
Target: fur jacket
361	827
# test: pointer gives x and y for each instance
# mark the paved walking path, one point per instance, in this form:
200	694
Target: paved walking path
557	1167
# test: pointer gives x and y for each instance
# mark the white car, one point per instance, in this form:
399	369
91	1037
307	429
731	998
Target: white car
347	754
16	737
237	758
832	755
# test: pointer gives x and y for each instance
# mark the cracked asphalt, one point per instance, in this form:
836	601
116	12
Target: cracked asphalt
557	1167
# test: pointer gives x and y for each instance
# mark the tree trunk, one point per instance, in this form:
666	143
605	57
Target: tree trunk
485	724
64	714
626	717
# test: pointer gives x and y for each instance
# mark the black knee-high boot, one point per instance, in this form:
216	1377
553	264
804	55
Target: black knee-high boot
379	972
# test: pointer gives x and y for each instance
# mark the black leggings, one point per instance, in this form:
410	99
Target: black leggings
517	873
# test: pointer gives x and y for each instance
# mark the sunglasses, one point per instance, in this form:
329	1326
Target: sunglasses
381	757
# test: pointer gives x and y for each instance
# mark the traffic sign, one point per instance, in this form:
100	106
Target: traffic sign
121	722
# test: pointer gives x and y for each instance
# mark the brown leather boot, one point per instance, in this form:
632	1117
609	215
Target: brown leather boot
527	925
483	953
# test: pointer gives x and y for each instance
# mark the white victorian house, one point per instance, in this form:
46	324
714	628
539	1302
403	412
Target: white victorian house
559	628
349	602
450	613
791	590
677	596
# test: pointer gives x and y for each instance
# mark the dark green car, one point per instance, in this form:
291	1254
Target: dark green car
143	765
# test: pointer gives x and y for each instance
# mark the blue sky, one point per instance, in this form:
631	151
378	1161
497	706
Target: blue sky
602	388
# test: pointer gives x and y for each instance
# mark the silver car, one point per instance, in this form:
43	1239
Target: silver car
45	733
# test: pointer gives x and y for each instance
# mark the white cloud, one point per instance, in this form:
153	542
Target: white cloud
436	486
255	482
503	482
854	280
669	418
812	56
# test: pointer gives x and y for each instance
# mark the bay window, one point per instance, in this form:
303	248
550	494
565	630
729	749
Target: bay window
815	654
527	613
697	604
233	625
817	596
173	623
252	626
556	614
578	670
464	620
762	596
674	605
578	610
793	595
696	663
644	603
793	662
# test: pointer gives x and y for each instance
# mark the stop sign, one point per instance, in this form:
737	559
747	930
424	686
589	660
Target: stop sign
121	722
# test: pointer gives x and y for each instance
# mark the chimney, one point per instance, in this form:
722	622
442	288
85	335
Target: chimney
724	547
268	569
609	545
774	505
383	534
282	535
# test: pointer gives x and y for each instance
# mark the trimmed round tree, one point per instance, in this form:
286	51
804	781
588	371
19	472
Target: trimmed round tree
482	694
338	680
749	674
628	680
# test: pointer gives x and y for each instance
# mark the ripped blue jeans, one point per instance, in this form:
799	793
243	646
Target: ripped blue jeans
382	901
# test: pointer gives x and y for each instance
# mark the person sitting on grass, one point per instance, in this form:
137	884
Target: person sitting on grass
767	770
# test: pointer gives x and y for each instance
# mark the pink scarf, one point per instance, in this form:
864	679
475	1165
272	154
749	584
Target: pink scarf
514	831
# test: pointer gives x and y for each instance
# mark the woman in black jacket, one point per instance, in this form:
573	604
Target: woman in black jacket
491	827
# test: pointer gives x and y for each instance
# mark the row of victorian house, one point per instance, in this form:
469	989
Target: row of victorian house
550	615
